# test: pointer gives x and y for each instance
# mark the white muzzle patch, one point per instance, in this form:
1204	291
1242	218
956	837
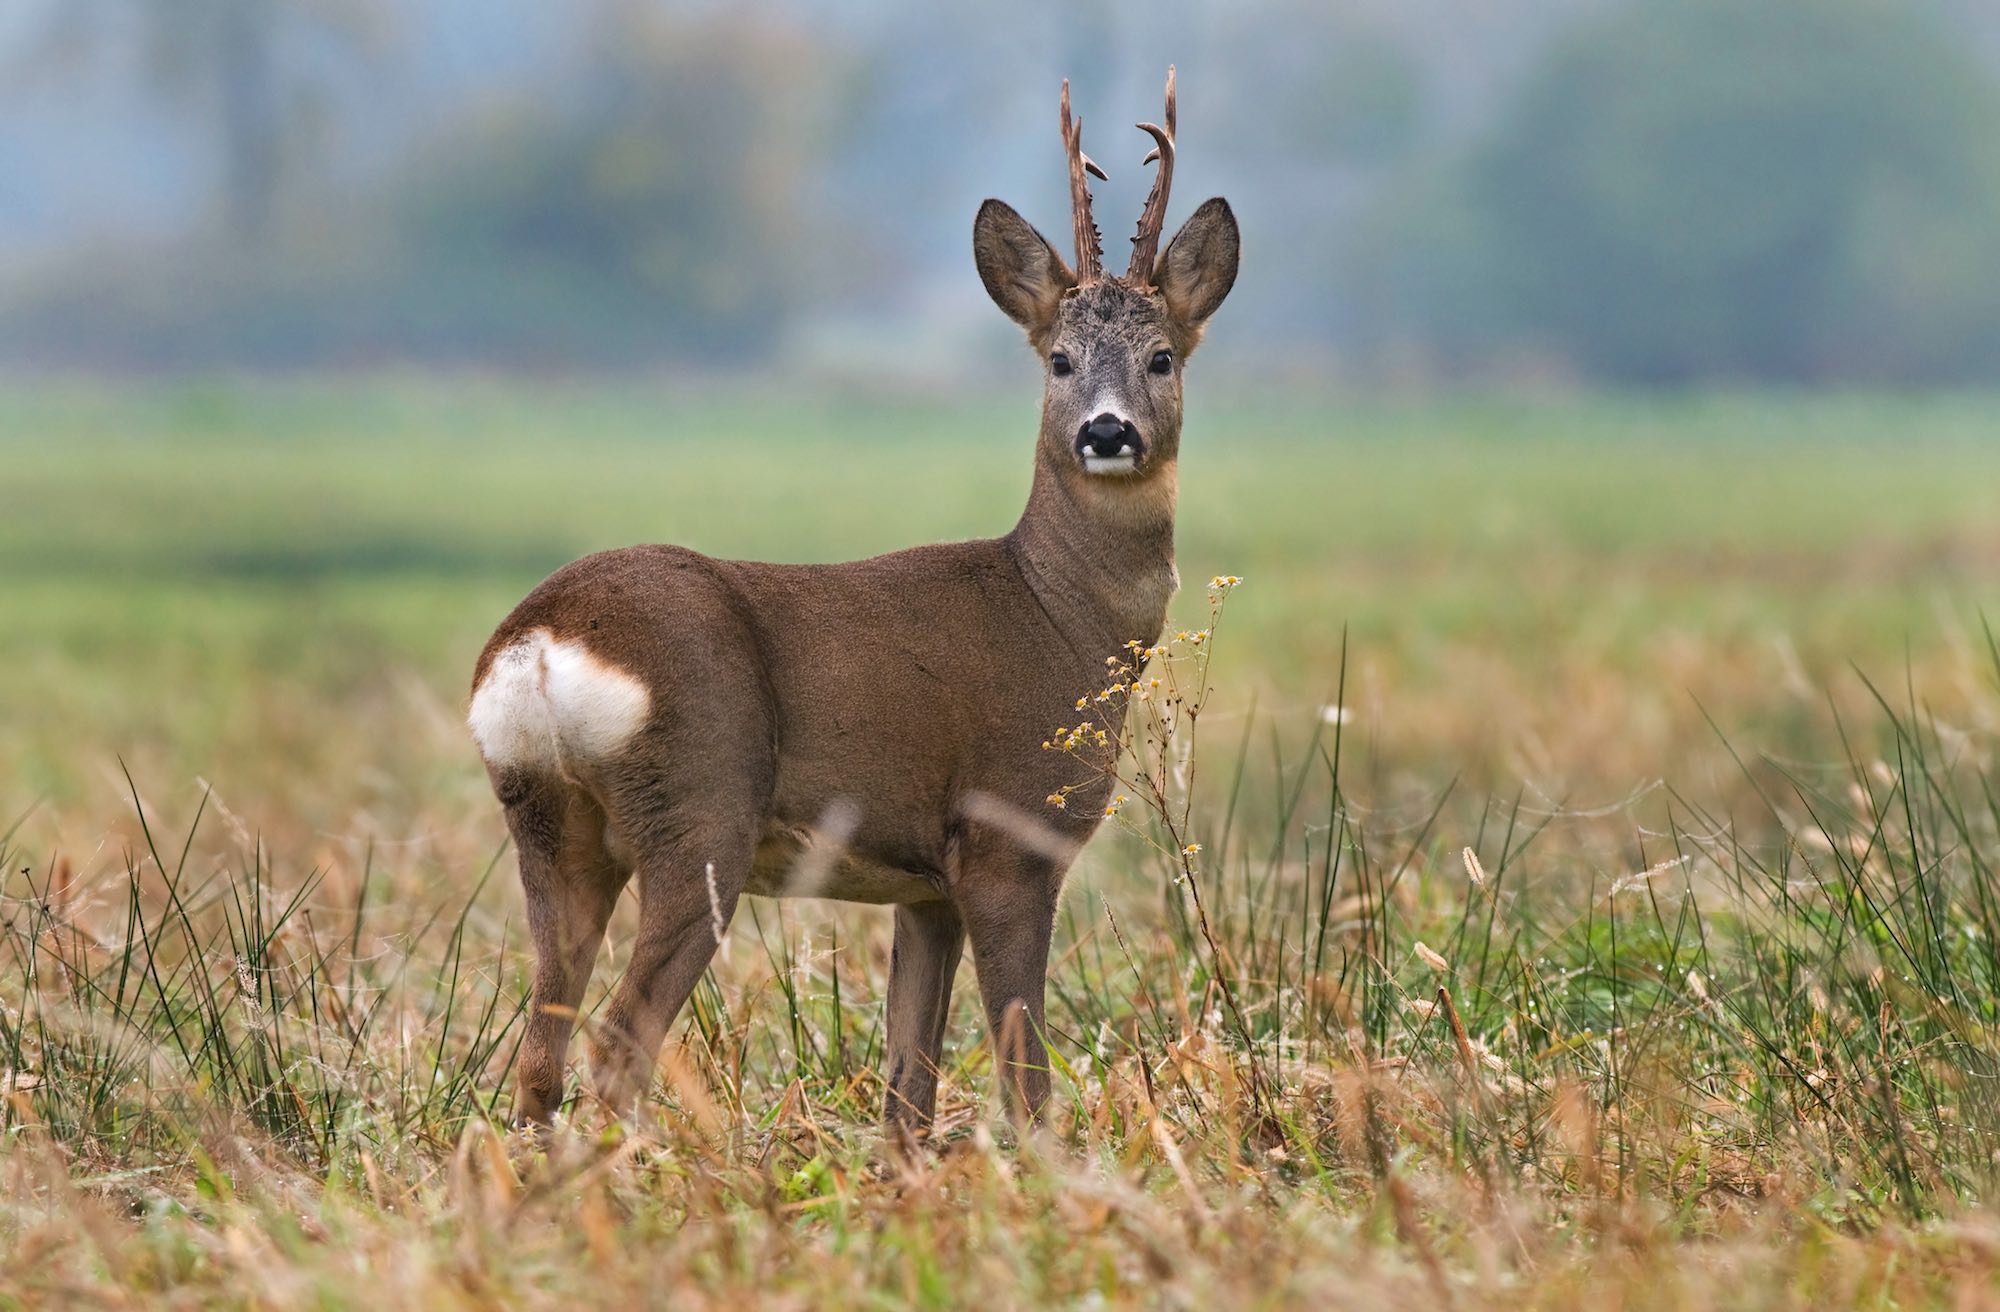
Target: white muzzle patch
1114	452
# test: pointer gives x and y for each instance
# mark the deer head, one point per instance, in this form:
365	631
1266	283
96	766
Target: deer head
1113	348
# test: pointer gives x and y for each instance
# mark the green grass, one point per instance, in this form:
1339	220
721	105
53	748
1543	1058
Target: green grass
1703	685
157	544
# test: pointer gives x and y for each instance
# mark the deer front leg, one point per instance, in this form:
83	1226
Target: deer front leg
683	911
929	939
1008	901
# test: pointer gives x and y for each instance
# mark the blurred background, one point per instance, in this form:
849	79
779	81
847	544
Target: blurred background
1649	192
1594	363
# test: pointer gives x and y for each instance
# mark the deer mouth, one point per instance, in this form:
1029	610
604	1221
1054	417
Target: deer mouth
1110	445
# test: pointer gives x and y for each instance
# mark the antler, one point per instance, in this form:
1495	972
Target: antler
1089	245
1146	243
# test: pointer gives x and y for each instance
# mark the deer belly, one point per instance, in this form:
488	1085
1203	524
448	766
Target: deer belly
791	863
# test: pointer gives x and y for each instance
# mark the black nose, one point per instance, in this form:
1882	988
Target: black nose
1107	435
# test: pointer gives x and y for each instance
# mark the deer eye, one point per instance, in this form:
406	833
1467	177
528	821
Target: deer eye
1163	362
1059	365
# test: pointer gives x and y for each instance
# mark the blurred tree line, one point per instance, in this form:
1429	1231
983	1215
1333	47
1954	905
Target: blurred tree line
1634	191
222	61
649	209
661	214
1791	190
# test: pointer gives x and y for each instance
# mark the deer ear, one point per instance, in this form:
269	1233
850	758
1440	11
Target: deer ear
1022	272
1199	265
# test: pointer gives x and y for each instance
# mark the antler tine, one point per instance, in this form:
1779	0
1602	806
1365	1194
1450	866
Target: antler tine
1146	242
1089	245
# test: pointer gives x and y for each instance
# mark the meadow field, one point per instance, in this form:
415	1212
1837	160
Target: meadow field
1595	902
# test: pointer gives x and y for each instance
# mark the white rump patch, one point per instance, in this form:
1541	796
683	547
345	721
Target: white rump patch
547	702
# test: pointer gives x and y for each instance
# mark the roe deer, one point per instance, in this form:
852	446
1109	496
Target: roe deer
652	712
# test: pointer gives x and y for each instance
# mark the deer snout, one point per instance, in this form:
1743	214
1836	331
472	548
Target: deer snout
1109	444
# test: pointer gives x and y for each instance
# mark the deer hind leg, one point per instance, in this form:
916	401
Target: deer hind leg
571	883
690	877
929	939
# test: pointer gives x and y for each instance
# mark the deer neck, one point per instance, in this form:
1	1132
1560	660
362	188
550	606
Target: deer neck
1099	559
